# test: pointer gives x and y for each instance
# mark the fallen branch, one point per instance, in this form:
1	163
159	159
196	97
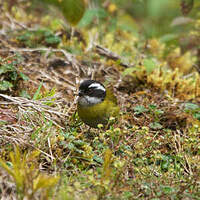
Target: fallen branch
109	54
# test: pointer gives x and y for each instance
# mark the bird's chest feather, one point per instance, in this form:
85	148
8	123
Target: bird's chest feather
98	113
93	112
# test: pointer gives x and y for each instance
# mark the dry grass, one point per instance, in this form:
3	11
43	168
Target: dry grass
152	152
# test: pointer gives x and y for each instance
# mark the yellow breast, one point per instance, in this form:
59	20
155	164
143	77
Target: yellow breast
99	113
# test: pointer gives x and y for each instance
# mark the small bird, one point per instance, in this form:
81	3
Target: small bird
96	104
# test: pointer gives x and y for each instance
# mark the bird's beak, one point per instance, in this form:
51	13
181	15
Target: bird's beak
80	94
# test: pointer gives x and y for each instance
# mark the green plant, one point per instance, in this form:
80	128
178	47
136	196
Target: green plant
27	177
72	10
40	37
9	73
193	109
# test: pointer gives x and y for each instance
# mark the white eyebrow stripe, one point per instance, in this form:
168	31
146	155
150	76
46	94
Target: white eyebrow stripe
97	86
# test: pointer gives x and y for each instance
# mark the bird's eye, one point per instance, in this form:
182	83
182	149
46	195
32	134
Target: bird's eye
90	90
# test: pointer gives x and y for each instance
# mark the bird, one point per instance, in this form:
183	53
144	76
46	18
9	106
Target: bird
96	104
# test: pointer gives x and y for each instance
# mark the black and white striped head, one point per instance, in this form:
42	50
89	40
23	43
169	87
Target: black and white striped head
91	92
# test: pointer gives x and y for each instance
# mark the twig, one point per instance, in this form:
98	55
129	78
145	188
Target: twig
14	22
196	67
107	53
67	55
49	143
37	105
188	169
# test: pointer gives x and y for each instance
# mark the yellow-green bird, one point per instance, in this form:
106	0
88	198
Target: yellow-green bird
96	104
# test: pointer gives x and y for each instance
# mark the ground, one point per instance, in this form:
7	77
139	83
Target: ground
151	151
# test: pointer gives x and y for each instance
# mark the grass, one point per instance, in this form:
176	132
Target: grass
150	152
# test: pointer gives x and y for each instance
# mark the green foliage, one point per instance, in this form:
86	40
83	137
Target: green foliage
5	85
156	113
40	37
79	149
37	94
153	151
150	65
9	73
45	95
139	109
72	10
26	175
128	71
153	111
155	126
193	109
91	15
